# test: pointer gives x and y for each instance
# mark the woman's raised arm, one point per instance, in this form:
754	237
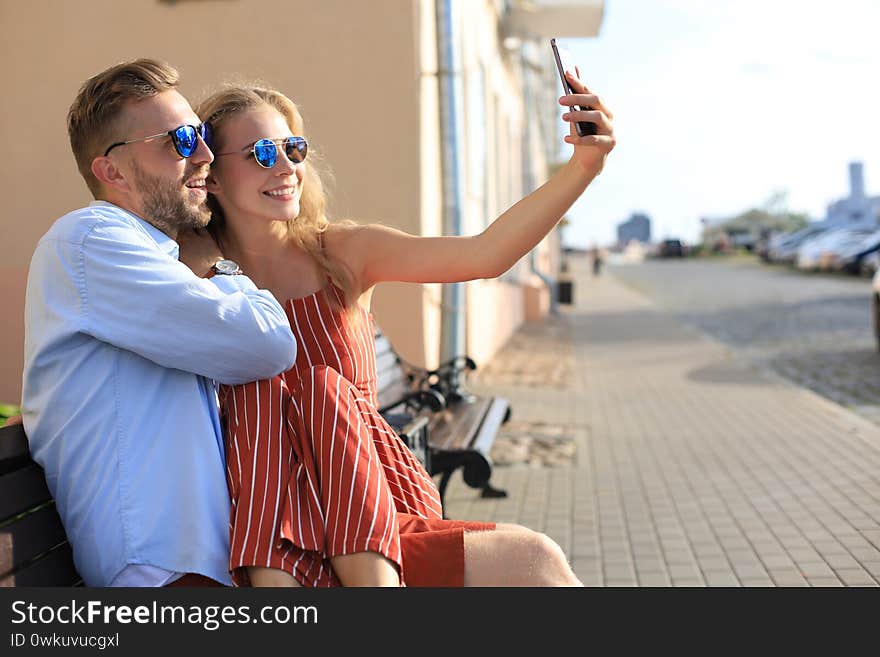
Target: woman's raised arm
386	254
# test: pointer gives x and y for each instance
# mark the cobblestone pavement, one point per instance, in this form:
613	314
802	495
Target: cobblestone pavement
814	329
679	462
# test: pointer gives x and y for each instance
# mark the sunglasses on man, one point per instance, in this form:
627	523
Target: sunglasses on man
265	151
184	138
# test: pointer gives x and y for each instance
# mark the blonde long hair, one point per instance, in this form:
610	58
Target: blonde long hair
306	229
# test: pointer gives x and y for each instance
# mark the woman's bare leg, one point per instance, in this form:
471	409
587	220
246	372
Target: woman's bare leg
359	569
365	569
513	555
260	576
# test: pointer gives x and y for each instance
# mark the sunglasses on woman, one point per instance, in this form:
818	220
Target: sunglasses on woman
184	138
265	151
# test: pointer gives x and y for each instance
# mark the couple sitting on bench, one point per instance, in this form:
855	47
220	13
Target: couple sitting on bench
124	341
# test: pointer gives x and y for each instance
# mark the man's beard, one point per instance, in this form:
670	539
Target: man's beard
165	205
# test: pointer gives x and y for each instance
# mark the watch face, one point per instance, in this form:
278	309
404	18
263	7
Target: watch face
226	267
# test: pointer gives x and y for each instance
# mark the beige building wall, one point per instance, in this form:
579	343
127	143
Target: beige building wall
365	77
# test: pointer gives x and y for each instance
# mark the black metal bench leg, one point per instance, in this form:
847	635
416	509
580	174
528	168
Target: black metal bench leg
444	481
490	491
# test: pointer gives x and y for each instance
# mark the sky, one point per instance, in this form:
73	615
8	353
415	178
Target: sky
719	104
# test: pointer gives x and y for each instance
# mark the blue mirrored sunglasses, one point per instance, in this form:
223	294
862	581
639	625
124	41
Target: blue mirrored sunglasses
265	151
184	138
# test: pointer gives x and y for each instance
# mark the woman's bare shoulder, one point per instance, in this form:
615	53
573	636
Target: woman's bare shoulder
350	238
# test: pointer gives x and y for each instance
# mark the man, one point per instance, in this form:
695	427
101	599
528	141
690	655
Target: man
122	342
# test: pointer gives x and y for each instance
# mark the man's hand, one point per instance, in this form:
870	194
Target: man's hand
198	251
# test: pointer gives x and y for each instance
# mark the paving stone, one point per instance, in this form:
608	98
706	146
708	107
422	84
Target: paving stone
757	582
743	557
651	566
776	561
872	567
814	570
865	554
615	571
684	571
721	578
855	577
745	572
824	582
805	555
830	548
873	536
841	561
714	563
788	577
679	557
704	551
654	579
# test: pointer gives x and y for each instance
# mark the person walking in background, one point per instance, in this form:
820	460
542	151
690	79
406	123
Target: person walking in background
596	258
323	491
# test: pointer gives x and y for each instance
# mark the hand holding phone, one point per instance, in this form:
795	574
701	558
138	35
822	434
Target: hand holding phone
563	63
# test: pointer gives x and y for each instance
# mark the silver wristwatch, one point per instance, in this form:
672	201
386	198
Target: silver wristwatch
227	267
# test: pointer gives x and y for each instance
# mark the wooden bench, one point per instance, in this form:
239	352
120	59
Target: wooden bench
461	432
33	546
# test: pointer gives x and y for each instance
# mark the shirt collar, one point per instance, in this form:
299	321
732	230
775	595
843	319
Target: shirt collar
165	243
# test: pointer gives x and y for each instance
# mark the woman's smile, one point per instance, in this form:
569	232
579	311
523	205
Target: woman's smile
283	193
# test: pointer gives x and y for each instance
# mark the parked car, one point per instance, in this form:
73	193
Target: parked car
743	239
671	248
766	239
784	247
875	307
851	259
820	253
871	263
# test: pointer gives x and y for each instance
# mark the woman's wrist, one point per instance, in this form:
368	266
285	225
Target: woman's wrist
584	172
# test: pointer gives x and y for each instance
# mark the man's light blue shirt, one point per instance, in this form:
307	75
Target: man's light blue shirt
122	342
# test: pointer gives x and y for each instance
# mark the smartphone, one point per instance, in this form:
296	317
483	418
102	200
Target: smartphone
563	63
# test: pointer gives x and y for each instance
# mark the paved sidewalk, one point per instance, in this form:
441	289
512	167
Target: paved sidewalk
692	467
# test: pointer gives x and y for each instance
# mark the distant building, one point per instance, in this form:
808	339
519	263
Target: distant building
637	227
855	209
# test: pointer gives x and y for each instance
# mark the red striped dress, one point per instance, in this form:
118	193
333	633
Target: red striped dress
313	469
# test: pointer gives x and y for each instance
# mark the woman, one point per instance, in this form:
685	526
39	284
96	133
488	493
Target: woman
323	491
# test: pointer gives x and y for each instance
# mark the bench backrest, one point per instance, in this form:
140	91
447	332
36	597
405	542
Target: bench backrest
33	546
392	382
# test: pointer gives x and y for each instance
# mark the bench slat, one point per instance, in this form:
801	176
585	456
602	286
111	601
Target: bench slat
382	345
387	366
454	429
29	537
14	452
393	392
22	490
491	425
54	569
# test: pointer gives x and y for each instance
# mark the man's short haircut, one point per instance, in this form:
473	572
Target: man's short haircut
94	117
